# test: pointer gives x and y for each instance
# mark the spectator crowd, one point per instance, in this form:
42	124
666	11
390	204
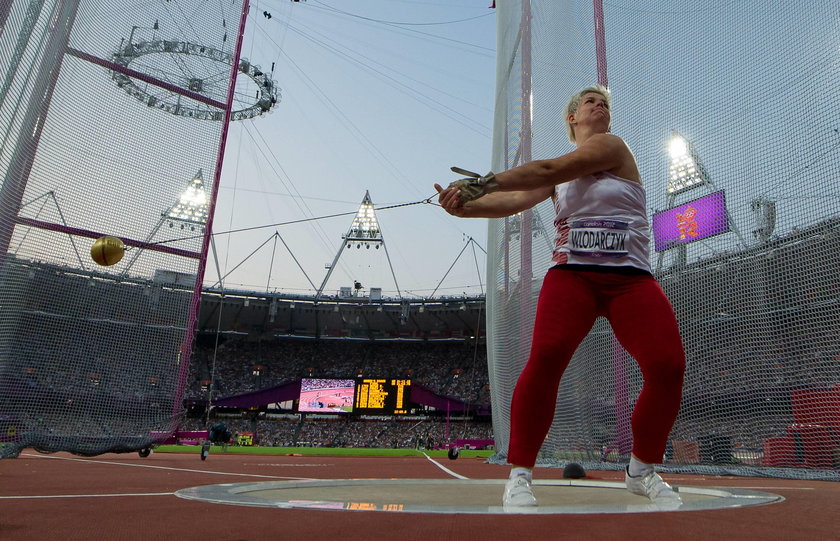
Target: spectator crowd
452	369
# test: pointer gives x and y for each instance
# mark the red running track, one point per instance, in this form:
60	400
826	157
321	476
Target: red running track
124	497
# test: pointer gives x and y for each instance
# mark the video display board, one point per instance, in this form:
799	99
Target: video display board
325	395
689	222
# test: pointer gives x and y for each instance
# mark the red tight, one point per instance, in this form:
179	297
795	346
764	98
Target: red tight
644	323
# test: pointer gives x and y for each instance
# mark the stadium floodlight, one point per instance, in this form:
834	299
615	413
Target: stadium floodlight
685	171
365	228
192	206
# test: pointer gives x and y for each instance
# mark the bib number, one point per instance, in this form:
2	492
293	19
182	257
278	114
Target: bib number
598	237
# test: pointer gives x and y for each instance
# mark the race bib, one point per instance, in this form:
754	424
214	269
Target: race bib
598	237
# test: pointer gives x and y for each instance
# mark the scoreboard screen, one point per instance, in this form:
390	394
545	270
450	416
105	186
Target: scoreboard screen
689	222
382	396
324	395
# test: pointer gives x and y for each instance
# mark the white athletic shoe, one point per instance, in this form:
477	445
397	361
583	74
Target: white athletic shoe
652	486
518	493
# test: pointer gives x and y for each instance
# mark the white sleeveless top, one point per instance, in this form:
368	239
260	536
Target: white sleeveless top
601	220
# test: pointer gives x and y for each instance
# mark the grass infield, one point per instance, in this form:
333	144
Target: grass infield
318	451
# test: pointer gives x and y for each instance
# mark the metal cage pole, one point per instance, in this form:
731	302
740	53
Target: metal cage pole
623	432
17	177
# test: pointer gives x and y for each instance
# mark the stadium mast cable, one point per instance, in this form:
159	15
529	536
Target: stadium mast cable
428	200
318	4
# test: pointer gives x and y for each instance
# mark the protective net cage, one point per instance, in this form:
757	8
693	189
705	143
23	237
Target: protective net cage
113	123
747	91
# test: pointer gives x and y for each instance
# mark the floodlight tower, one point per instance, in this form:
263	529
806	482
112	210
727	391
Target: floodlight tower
191	208
189	211
686	173
537	229
685	170
363	231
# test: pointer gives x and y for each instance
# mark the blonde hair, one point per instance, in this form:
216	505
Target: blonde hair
573	104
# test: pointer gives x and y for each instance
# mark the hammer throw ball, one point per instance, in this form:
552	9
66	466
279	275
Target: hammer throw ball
107	250
573	470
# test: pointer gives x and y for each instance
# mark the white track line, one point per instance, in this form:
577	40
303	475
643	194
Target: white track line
171	469
84	496
767	488
444	468
673	478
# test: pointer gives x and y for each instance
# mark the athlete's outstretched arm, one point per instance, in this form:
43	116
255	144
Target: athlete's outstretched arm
601	152
494	205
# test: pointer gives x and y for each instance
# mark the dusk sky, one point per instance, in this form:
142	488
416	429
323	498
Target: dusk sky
376	96
382	97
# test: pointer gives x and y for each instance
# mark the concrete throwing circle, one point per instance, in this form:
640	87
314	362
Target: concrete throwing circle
474	496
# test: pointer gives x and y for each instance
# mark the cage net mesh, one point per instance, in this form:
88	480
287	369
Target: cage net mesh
751	87
111	126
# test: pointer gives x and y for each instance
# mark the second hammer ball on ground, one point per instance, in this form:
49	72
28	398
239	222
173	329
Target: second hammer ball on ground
573	470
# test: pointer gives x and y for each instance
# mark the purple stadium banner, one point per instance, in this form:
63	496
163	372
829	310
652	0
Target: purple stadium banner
695	220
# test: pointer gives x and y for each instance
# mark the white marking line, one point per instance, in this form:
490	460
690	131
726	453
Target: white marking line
171	469
84	496
769	488
673	478
444	468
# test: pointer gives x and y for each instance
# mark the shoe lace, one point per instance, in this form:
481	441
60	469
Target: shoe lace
655	485
520	484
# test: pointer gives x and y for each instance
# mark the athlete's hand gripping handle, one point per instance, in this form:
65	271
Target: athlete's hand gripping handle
475	185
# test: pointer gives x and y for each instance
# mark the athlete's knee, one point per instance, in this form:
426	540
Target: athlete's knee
540	374
551	353
665	369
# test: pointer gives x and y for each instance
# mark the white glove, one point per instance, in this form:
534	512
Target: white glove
475	185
